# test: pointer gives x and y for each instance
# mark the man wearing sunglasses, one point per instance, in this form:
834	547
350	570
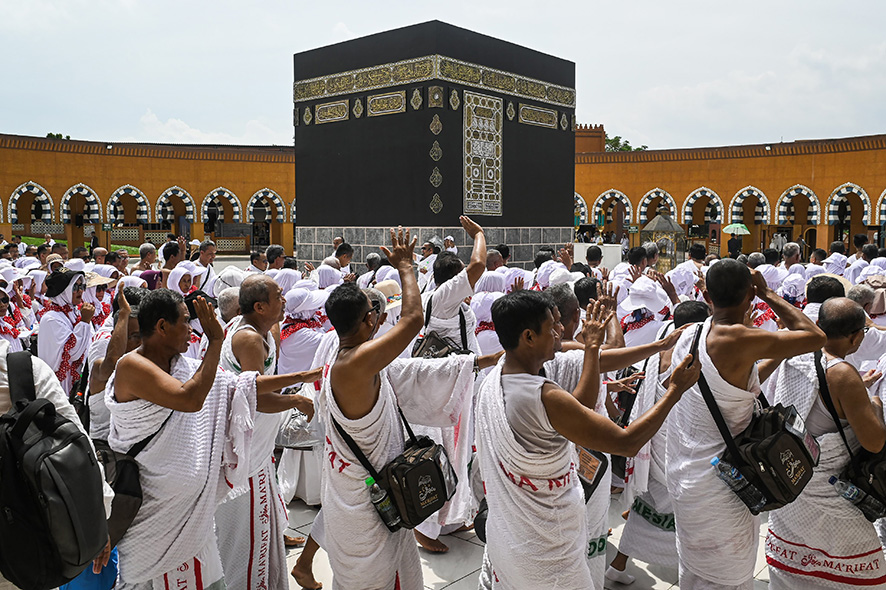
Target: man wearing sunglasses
65	331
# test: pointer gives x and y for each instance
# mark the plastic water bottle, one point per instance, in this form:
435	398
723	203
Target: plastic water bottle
870	506
386	509
751	496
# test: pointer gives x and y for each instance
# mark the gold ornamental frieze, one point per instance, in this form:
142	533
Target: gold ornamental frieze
533	115
386	104
432	67
331	112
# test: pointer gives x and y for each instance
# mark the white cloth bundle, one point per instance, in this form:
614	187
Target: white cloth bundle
184	471
537	531
835	264
362	552
716	534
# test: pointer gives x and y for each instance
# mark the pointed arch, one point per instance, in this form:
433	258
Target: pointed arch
40	196
656	193
581	206
270	196
114	212
762	213
784	204
164	201
840	194
221	193
714	210
92	212
881	208
618	196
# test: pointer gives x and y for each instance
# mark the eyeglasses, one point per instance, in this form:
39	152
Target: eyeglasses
425	248
375	306
101	287
79	287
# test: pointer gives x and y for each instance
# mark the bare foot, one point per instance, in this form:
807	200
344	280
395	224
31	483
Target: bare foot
304	577
625	514
463	528
429	544
293	541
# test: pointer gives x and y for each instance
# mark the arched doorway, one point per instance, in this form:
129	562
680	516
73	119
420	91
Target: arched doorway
751	207
702	215
849	212
613	212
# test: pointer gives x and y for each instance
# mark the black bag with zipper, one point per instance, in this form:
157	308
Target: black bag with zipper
52	516
774	453
866	470
433	345
419	480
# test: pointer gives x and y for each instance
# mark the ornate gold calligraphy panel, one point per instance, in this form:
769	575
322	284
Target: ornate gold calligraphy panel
534	115
482	154
332	111
386	104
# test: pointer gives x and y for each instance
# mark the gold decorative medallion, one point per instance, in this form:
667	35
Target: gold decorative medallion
307	117
416	99
436	204
533	115
454	101
332	111
564	122
436	126
358	108
511	112
435	97
386	104
436	178
436	151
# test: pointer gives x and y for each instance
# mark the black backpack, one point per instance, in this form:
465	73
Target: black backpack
52	517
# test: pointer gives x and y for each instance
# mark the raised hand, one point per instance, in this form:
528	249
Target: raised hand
87	311
402	248
519	284
123	304
594	329
871	377
700	283
670	340
636	272
470	226
607	294
627	384
685	374
309	267
566	257
667	285
349	278
208	320
605	272
759	283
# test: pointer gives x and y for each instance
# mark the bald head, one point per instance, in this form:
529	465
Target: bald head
494	259
840	317
257	288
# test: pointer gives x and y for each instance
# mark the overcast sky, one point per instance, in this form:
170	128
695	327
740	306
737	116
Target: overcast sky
665	74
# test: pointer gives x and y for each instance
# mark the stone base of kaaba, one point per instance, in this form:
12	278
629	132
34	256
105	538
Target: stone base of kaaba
313	244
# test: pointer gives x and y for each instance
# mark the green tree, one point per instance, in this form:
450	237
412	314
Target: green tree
57	136
617	144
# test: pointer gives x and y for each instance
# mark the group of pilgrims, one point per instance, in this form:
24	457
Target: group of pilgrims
559	363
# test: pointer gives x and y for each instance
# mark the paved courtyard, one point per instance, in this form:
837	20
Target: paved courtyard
460	568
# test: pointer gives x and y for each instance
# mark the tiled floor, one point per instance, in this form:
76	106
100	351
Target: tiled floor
460	568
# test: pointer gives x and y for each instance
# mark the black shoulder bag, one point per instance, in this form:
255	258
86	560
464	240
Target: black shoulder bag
122	474
866	470
419	480
774	453
434	346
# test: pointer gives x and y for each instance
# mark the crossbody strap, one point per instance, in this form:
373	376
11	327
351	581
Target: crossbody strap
709	400
826	397
462	326
355	448
21	376
140	446
428	312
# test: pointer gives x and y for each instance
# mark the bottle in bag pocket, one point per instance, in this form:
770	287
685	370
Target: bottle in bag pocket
383	504
733	478
869	506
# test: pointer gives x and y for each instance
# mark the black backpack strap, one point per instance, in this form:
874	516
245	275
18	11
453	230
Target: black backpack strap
411	434
355	448
825	392
82	385
711	403
140	446
463	328
21	376
428	311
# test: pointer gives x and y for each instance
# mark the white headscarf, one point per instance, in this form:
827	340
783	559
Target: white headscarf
328	276
387	273
814	269
303	304
175	276
481	305
131	281
66	297
490	281
106	270
286	278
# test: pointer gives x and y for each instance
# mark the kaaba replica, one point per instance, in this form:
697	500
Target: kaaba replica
421	124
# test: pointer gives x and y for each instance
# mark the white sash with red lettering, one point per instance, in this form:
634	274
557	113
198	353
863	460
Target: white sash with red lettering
820	540
536	532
